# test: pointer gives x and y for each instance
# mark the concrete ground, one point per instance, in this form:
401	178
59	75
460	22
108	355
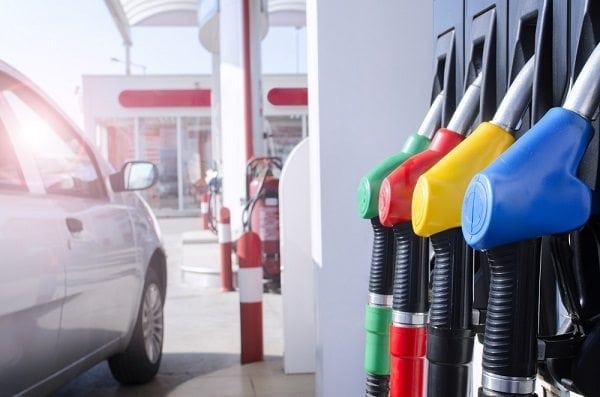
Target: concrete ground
202	337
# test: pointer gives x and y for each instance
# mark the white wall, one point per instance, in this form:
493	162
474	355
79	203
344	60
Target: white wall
297	277
369	70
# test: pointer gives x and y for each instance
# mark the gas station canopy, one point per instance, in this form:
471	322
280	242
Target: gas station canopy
130	13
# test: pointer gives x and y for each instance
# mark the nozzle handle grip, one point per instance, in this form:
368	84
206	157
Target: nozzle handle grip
411	272
452	284
381	276
510	340
407	366
377	347
449	353
450	336
532	189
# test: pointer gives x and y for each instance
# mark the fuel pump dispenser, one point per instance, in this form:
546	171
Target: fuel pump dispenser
411	274
436	210
531	190
379	310
261	212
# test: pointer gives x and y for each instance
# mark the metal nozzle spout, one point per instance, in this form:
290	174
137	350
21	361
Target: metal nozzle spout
584	96
467	108
433	118
517	98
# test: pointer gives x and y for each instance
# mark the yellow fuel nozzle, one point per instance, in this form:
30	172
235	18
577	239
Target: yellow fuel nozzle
438	195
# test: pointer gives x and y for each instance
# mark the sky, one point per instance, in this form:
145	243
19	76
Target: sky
55	42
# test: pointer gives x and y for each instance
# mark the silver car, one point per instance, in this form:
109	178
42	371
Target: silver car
82	268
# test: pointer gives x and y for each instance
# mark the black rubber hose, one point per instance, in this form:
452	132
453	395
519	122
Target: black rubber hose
381	277
510	341
378	385
411	272
450	336
381	280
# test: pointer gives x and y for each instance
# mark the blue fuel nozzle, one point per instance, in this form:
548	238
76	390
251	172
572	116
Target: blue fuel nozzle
532	189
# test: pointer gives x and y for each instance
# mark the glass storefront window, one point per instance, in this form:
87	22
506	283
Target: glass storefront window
158	144
157	141
284	133
196	158
120	140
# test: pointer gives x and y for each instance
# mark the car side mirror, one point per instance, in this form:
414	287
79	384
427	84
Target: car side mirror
135	175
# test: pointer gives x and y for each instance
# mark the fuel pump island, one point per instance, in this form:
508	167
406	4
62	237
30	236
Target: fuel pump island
515	200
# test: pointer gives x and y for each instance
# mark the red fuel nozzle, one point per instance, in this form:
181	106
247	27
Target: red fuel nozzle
395	196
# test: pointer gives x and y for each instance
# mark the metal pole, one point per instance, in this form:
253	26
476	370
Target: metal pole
179	164
247	79
127	59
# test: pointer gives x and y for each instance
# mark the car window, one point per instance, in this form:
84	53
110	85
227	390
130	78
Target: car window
62	159
11	176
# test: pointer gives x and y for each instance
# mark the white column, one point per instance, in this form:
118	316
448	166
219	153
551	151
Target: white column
179	164
256	15
232	100
369	81
304	126
137	139
215	123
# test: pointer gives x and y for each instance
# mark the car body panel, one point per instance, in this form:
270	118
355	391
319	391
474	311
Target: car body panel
32	289
104	277
75	298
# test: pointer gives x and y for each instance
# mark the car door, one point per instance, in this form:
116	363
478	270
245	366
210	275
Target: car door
103	270
32	275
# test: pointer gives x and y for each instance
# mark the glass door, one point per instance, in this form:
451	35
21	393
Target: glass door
196	158
158	144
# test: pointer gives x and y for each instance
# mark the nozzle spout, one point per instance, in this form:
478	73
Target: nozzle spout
584	96
431	122
467	108
517	98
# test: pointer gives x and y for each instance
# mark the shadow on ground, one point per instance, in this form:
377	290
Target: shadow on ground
175	369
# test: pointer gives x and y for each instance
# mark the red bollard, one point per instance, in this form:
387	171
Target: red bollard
224	235
251	289
204	210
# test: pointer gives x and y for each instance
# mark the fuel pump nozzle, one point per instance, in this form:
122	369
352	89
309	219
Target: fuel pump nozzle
439	192
411	278
436	214
368	188
378	311
396	192
540	170
529	191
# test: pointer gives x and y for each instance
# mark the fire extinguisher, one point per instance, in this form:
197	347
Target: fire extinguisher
261	212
